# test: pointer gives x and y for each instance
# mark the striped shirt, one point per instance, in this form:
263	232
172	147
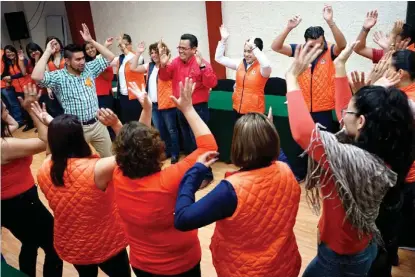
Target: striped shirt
77	94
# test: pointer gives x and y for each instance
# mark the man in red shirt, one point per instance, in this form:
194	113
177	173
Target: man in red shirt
190	64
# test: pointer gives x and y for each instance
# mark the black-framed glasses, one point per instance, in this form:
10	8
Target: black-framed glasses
345	111
180	48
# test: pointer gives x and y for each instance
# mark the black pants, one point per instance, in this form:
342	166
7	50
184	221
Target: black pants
107	101
130	109
194	272
26	117
117	266
407	232
32	224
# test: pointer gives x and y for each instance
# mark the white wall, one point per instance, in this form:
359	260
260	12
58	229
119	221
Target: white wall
267	19
150	21
38	34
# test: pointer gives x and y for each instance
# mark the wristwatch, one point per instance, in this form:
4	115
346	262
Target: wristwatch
202	66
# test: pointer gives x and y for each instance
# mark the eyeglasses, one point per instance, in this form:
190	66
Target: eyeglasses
345	111
180	48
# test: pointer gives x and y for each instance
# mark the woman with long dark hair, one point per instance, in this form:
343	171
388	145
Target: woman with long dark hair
56	62
22	212
15	77
354	171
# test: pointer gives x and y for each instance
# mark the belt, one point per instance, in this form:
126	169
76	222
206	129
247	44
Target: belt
90	122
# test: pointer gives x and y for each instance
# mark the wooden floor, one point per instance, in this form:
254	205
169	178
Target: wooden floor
305	231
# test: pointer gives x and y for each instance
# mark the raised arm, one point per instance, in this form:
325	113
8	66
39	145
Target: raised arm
166	67
145	102
337	34
361	48
220	50
38	73
105	52
262	59
278	44
136	66
22	63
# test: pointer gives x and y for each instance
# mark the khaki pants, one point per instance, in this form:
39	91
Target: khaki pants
97	134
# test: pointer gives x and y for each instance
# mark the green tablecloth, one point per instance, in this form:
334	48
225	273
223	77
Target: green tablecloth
8	271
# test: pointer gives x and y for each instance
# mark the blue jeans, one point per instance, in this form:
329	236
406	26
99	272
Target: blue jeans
166	122
130	109
330	264
9	98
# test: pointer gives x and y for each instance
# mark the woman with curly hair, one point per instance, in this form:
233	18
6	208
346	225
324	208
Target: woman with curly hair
356	171
146	195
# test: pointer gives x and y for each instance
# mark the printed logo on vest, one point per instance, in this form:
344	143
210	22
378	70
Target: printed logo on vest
253	72
323	61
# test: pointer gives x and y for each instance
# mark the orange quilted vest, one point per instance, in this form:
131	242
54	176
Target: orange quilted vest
410	91
258	240
87	228
249	89
164	91
318	87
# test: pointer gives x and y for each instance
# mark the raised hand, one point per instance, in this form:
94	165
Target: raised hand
223	33
185	100
303	59
86	35
141	48
41	113
20	54
269	116
358	81
30	95
382	40
293	22
51	46
370	20
108	42
251	43
198	57
397	28
107	117
389	79
36	55
380	68
141	95
345	54
208	158
328	14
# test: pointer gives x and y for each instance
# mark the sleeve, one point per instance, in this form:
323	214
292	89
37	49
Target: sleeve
51	80
293	47
220	57
342	95
302	125
209	78
166	73
377	54
97	66
172	175
218	204
263	61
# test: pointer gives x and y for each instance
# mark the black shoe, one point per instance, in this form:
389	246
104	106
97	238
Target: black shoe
28	127
174	160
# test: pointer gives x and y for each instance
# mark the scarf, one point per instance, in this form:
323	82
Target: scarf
360	178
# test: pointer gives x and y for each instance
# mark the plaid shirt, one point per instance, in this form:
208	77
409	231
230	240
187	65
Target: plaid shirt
77	94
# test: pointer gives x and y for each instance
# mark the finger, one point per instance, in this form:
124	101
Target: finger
211	162
175	100
20	100
362	77
143	88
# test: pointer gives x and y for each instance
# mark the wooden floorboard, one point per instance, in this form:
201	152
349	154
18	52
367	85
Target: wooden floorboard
305	231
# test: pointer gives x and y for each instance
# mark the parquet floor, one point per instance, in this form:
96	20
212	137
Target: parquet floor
305	230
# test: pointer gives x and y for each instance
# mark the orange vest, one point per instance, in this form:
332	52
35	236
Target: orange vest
131	76
19	83
410	91
87	227
258	239
52	66
164	91
3	83
318	87
249	89
411	47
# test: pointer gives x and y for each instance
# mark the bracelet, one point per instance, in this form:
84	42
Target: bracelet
365	29
331	25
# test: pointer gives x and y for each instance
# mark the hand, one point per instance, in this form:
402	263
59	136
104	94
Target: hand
224	33
7	79
303	59
402	45
20	54
293	22
185	100
358	81
50	94
390	79
30	95
382	40
141	95
379	69
107	117
108	42
208	158
141	48
198	57
328	14
270	116
86	35
51	47
36	55
41	113
251	43
397	28
370	20
345	54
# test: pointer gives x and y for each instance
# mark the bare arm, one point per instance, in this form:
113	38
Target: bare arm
105	52
361	48
278	43
337	34
15	148
13	125
103	171
39	70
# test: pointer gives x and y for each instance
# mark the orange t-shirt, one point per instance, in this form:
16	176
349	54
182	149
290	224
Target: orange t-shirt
146	206
16	177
